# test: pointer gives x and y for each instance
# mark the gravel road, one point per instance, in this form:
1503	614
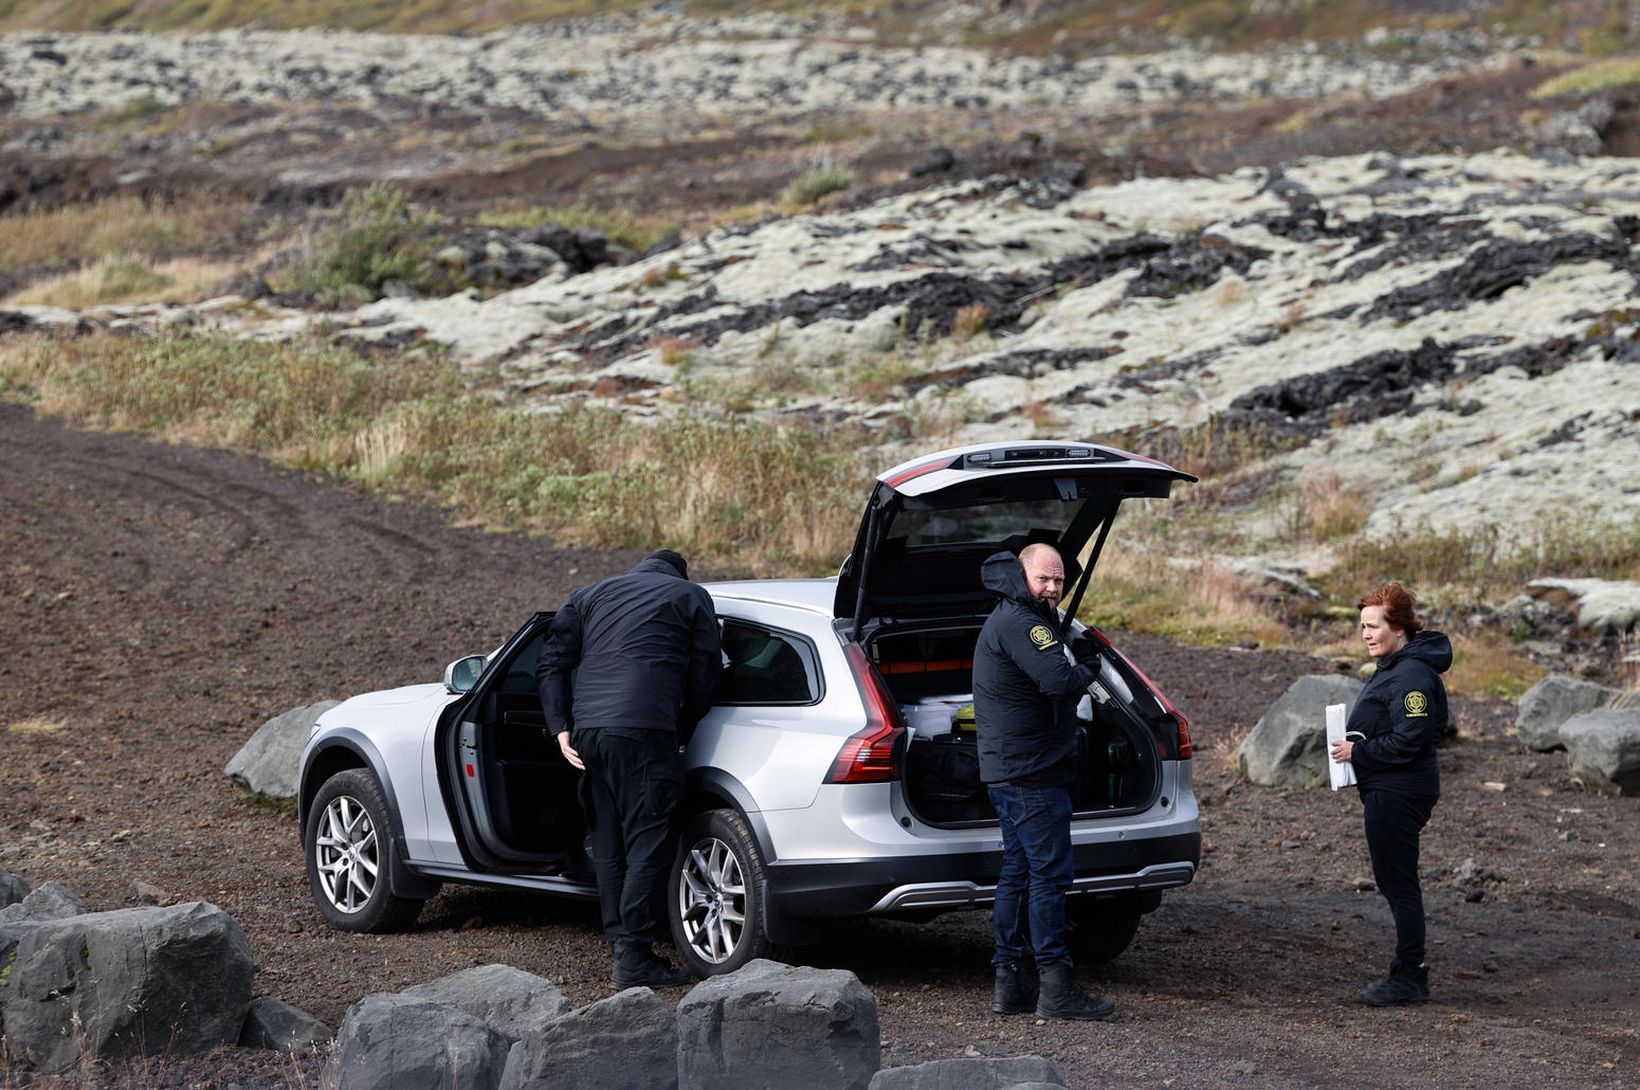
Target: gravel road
157	603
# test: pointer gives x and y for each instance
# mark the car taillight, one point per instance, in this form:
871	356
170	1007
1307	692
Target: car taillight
1184	749
872	753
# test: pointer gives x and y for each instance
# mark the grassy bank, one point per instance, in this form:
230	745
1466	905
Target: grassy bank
746	495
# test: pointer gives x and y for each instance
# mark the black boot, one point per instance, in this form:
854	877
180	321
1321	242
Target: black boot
1061	998
638	966
1404	987
1016	988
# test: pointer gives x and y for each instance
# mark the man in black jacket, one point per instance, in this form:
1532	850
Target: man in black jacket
1026	688
629	666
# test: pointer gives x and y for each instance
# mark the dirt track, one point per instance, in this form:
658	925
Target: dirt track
161	602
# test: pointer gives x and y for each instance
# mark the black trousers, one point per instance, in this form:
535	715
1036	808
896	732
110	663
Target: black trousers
631	793
1393	823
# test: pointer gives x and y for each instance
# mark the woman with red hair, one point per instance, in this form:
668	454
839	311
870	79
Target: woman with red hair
1399	715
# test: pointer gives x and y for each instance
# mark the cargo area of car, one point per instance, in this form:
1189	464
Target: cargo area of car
929	671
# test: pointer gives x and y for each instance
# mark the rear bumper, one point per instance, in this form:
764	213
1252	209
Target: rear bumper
920	883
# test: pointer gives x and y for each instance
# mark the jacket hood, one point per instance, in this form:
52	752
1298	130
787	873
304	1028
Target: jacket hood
1431	648
660	566
1002	574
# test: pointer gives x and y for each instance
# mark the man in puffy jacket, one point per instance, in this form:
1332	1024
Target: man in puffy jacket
628	668
1025	693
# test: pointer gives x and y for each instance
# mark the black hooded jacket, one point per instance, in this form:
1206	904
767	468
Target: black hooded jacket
1402	711
1025	689
639	651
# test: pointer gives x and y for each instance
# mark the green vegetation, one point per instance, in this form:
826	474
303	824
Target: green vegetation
375	237
811	185
622	227
1592	78
408	424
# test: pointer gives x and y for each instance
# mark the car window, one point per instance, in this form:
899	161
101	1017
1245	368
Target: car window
767	667
981	524
520	676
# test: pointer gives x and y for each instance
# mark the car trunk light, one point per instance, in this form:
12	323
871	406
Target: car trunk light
872	753
1181	744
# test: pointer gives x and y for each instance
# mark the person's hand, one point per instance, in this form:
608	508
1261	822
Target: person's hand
568	751
1342	749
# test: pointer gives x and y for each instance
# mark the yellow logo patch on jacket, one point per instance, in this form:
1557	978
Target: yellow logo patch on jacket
1417	705
1043	637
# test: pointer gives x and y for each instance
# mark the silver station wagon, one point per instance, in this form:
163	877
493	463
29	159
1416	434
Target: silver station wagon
837	774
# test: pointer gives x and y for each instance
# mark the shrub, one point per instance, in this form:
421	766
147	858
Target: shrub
375	237
811	185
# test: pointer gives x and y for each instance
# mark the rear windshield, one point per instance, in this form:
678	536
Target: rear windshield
982	524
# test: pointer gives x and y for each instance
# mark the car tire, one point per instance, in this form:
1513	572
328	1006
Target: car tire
350	854
716	902
1101	928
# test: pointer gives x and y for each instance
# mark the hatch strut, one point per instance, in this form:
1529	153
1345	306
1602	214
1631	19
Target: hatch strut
1087	575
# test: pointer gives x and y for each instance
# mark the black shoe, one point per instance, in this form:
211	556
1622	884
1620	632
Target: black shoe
1061	998
1403	988
638	967
1016	988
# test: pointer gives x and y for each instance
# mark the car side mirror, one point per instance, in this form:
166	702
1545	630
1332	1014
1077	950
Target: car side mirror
461	675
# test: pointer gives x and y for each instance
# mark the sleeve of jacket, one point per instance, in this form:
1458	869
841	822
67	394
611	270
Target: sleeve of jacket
1036	649
705	666
560	655
1411	705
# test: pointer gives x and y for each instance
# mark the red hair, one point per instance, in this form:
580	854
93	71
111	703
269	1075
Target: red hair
1398	605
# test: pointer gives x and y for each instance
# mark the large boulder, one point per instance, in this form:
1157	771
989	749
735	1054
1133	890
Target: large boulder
52	901
273	1023
395	1042
1550	703
1605	607
1288	745
12	888
970	1073
269	763
769	1024
626	1042
120	985
511	1000
1604	748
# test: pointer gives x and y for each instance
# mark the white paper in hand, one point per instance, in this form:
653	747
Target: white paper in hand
1342	772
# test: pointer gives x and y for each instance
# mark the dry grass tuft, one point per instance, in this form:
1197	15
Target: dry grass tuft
1336	508
971	321
107	229
37	725
129	280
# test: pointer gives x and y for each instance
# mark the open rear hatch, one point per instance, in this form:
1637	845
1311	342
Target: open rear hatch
930	523
910	592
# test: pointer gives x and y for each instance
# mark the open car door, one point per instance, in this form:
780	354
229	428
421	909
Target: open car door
511	795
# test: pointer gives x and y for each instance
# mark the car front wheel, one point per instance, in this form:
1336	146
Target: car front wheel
716	904
350	854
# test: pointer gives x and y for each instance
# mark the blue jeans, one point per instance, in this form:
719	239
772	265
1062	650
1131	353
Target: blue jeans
1037	872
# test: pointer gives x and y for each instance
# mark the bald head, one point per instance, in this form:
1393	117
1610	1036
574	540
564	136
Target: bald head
1044	572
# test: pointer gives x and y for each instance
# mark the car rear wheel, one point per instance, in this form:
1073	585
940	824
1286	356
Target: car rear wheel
1101	928
350	855
717	895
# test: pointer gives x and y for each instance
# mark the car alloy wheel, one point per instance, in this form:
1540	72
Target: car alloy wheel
347	854
716	905
350	853
712	900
